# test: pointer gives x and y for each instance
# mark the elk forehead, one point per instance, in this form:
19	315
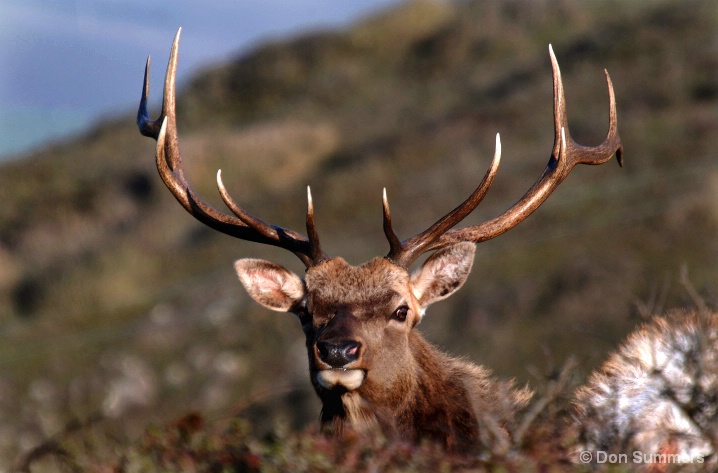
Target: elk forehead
375	283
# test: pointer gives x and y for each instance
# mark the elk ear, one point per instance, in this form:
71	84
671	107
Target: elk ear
443	273
270	284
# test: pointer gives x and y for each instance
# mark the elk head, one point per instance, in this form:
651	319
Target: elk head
364	355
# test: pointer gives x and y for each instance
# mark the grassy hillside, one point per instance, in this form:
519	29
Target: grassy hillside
114	302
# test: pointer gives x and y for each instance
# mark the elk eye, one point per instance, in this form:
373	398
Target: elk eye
401	313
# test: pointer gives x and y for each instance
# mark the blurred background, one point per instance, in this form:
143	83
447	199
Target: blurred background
64	65
117	305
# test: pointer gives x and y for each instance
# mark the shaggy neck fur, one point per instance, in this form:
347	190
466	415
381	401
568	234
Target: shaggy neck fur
425	402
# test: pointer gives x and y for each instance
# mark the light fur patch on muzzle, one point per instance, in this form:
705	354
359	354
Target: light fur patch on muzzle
348	379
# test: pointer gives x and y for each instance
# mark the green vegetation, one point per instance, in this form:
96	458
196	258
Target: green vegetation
114	302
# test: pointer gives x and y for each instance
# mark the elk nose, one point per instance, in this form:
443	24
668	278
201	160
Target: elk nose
338	353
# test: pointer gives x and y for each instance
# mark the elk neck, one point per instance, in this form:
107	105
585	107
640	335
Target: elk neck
428	400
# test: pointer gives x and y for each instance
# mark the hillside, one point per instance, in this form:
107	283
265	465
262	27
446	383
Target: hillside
114	301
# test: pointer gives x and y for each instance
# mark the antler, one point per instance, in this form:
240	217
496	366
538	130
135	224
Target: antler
169	164
565	156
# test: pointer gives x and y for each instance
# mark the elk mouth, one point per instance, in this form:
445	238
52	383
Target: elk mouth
349	379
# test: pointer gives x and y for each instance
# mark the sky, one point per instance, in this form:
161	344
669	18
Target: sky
67	63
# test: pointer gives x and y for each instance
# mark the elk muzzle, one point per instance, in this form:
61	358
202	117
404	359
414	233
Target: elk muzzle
338	353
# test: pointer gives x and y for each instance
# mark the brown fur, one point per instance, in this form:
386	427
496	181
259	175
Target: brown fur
396	382
439	398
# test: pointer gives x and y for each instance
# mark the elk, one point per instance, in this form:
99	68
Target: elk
371	370
658	393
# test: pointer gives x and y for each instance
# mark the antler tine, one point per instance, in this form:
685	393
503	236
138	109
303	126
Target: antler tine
147	126
169	164
317	255
266	230
566	155
404	253
395	247
580	154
